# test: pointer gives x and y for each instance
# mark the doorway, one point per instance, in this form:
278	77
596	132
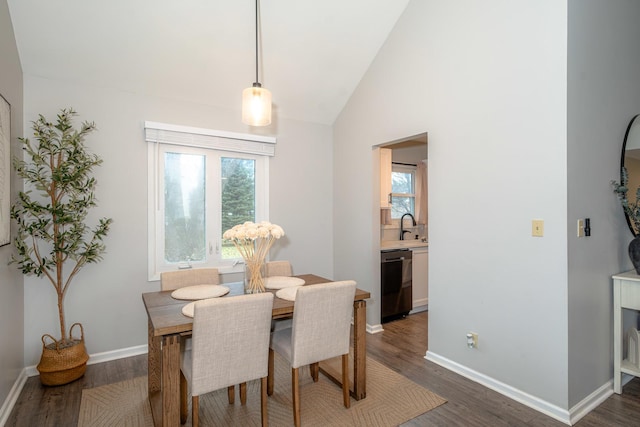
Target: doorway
404	211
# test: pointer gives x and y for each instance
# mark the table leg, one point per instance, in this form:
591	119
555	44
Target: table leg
359	349
153	361
171	380
617	337
154	372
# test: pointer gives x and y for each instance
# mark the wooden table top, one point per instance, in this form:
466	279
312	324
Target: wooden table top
165	312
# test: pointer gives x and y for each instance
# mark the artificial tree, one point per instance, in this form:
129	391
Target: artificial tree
50	215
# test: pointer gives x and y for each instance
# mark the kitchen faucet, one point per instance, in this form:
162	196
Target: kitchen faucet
402	230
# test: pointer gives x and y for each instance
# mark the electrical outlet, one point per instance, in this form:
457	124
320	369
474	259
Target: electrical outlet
472	340
580	228
537	227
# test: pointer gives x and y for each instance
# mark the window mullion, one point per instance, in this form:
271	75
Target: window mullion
213	193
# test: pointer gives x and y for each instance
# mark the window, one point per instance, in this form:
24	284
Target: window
403	198
201	183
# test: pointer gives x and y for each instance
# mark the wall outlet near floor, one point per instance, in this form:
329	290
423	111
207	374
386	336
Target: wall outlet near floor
472	340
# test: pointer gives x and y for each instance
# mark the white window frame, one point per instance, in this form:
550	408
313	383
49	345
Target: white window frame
159	137
401	168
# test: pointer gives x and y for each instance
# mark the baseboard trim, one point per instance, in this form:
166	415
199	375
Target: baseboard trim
374	329
419	309
533	402
590	402
105	356
12	398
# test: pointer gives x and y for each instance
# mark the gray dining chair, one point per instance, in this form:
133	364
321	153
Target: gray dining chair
278	268
320	331
172	280
230	346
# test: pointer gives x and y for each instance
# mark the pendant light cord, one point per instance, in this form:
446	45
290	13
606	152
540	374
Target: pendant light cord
257	81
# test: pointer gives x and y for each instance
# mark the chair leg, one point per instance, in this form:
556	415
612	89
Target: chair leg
270	374
195	411
314	369
243	393
231	394
263	402
184	410
345	380
295	391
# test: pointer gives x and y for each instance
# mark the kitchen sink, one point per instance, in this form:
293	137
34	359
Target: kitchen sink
393	244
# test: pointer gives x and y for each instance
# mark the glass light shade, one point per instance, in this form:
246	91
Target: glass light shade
256	106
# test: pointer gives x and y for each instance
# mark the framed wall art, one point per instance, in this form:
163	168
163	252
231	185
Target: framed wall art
5	171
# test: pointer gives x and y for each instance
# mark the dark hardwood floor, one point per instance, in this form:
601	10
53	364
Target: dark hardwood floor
401	347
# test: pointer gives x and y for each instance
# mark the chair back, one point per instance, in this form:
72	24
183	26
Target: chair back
230	341
321	322
278	268
171	280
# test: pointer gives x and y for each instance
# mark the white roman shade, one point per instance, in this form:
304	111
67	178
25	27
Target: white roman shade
207	138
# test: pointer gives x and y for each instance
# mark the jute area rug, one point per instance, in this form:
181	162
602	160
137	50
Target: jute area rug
391	400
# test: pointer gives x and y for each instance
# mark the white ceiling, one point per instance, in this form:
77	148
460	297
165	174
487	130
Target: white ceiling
203	51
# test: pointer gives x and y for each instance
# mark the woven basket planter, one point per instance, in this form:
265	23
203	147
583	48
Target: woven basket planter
62	364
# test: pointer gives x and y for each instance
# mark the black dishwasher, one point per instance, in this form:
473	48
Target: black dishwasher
395	278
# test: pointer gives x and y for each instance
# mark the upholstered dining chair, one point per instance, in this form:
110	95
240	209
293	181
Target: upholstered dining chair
278	268
320	331
171	280
230	346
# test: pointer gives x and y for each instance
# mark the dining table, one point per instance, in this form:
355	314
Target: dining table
168	327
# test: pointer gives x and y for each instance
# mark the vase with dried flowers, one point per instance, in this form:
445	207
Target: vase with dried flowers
253	241
632	212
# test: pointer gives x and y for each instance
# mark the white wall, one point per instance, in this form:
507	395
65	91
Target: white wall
604	94
106	297
11	290
487	81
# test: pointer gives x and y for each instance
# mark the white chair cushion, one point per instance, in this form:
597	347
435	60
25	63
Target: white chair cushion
198	292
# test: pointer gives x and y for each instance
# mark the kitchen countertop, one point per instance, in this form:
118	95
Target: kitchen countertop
403	244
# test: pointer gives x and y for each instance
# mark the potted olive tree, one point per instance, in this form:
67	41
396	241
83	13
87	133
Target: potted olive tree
53	241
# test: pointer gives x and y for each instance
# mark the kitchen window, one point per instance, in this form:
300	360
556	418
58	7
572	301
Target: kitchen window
403	197
201	183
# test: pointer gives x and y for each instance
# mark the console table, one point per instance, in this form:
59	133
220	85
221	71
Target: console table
626	294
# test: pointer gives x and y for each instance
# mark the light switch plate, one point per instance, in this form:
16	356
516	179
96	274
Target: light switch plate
580	228
537	227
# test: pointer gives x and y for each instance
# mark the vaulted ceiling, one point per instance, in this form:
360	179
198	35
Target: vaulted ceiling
314	53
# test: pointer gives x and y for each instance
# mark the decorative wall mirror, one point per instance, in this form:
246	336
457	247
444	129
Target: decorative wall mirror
630	160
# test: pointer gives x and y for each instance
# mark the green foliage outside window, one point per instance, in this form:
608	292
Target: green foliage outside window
238	197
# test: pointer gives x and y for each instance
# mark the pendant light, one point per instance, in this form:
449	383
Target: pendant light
256	100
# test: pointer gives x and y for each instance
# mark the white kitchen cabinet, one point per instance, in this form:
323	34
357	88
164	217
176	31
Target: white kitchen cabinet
420	274
385	178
